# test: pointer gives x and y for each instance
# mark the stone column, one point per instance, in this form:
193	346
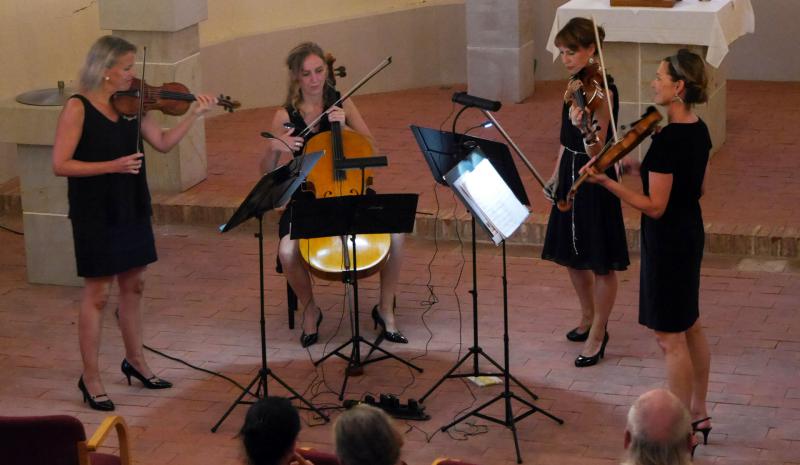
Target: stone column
49	252
169	30
500	49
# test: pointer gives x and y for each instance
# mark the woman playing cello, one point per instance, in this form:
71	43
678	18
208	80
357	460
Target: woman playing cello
310	95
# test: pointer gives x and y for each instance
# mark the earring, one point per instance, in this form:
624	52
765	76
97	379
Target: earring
107	78
591	60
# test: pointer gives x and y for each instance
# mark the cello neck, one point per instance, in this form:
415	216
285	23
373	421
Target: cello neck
338	149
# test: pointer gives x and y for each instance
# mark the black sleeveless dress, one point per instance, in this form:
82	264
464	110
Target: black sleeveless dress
591	236
296	118
110	213
672	246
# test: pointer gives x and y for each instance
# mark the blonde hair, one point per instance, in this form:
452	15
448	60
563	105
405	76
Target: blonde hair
295	64
365	435
103	55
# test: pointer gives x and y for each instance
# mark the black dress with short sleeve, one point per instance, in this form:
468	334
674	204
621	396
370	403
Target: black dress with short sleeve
591	236
672	246
296	118
110	213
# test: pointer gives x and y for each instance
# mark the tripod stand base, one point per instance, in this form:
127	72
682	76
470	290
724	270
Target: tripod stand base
261	392
355	365
510	420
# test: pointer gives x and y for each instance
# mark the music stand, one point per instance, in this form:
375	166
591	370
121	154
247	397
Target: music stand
444	152
272	190
349	216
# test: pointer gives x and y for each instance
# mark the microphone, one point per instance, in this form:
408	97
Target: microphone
471	101
268	135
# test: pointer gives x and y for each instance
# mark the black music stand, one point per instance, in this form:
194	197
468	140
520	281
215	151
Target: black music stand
443	151
273	190
349	216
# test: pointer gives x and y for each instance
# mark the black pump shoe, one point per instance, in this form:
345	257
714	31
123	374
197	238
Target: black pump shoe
310	339
575	336
153	382
103	405
584	361
705	431
391	336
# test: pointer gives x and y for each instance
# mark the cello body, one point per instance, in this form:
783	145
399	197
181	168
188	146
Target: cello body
325	256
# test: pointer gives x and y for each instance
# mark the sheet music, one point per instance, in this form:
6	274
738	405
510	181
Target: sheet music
492	200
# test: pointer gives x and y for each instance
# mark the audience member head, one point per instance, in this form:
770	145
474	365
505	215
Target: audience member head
270	431
659	431
365	435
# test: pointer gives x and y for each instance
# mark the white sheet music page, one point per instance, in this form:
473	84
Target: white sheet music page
497	205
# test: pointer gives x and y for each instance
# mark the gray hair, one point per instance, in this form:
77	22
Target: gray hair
365	435
659	426
103	55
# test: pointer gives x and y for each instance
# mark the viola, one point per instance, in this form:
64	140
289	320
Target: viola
325	255
613	153
170	98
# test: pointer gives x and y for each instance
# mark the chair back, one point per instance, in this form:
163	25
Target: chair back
44	440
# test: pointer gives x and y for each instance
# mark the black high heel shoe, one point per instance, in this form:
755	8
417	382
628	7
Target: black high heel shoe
103	405
705	431
310	339
584	361
153	382
391	336
575	336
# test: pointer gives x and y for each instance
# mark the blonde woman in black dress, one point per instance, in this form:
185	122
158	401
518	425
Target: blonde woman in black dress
672	175
109	206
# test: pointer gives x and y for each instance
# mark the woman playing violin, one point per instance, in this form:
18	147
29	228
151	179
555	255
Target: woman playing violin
310	94
109	206
673	174
589	240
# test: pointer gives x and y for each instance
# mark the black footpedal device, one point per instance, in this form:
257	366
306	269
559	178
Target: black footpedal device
390	404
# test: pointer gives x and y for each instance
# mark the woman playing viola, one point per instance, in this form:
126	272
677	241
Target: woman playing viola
109	205
589	240
673	173
310	94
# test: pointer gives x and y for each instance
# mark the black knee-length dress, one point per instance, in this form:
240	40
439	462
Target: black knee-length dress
110	213
672	246
591	236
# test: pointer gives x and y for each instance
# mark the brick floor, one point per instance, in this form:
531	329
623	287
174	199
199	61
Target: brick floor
201	304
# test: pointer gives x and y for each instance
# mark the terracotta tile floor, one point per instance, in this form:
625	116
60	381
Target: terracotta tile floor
201	304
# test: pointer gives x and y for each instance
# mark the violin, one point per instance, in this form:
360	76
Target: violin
586	91
170	98
613	153
325	255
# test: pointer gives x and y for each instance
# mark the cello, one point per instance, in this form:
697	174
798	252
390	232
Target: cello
325	256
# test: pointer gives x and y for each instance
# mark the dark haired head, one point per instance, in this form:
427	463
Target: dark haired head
689	67
270	430
579	33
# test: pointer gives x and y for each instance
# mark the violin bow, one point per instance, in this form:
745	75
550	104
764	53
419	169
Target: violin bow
139	114
605	80
386	62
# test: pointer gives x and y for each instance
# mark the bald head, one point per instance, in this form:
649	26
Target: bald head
659	429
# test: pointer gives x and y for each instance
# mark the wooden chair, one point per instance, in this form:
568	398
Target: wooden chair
59	440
